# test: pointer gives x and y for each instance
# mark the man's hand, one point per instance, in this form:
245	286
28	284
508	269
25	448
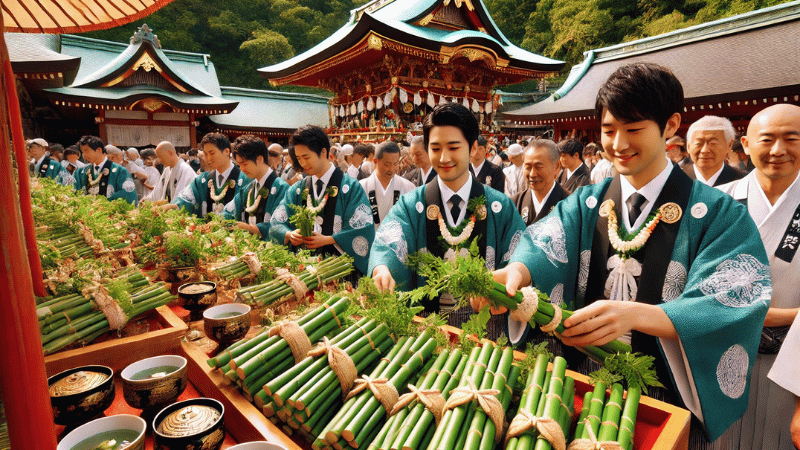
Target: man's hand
168	207
794	425
478	303
513	276
606	320
247	227
141	176
294	237
318	240
383	279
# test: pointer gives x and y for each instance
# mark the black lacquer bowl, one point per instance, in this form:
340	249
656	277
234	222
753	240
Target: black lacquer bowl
80	394
192	424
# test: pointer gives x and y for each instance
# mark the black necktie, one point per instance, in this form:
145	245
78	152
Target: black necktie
221	179
635	203
320	185
455	209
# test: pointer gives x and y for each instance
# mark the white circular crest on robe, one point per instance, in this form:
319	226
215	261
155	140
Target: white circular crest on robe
557	295
240	181
109	191
187	195
420	208
699	210
229	207
513	245
298	191
345	189
496	207
280	215
732	371
391	235
490	257
337	224
583	272
128	185
591	202
273	190
361	217
548	235
739	282
674	281
267	217
360	245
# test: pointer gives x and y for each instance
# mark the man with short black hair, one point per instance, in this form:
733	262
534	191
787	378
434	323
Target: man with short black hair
541	165
212	190
360	154
446	215
384	187
344	221
72	161
574	173
486	172
710	139
103	176
253	206
423	172
690	289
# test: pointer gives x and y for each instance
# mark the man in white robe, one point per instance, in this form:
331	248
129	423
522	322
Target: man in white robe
772	195
515	175
384	187
786	373
176	176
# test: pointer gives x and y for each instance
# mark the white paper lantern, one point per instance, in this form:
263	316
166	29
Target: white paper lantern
342	112
378	102
489	107
353	109
360	106
476	107
417	99
442	100
370	104
387	99
430	100
465	103
403	95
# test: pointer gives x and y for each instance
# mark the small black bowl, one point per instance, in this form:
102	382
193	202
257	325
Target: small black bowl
193	427
198	301
84	404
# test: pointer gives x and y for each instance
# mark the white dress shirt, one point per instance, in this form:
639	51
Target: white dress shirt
650	191
447	193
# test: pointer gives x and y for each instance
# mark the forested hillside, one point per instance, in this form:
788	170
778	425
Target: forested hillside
243	35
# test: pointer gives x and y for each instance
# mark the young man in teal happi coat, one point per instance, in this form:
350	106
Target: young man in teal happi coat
436	217
344	220
102	176
253	206
212	190
693	294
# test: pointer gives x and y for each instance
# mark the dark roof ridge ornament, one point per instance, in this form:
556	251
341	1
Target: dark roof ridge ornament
144	33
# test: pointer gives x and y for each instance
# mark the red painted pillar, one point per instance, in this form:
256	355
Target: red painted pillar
15	121
24	382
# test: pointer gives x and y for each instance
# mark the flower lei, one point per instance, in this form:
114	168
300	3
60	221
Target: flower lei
329	192
253	206
475	206
211	190
94	181
625	247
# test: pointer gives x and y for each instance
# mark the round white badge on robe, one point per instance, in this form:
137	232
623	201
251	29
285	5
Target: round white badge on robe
699	210
591	202
240	181
496	207
298	191
420	208
345	188
273	190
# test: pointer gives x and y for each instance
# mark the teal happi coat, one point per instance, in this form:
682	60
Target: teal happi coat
50	168
347	217
714	284
274	188
406	230
115	181
196	198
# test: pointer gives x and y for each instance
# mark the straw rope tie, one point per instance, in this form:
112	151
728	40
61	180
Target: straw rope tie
335	317
300	289
108	306
371	344
251	259
487	399
528	307
431	398
553	324
313	271
592	443
548	428
295	337
382	389
340	362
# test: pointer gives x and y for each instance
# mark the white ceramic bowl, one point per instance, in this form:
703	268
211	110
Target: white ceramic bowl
259	445
118	422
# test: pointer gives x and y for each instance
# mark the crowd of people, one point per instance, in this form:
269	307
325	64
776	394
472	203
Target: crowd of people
683	247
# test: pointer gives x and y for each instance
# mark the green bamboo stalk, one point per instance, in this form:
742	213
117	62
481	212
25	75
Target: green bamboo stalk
476	357
552	402
611	413
567	406
587	400
477	426
595	409
628	420
507	391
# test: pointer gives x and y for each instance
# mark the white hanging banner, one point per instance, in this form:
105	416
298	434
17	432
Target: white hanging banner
141	135
342	112
353	109
442	100
387	99
476	107
465	103
417	99
403	95
360	106
379	102
489	107
370	104
430	101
